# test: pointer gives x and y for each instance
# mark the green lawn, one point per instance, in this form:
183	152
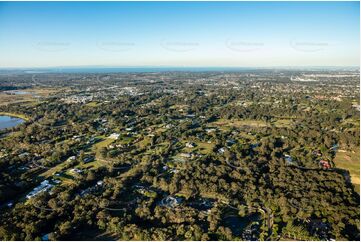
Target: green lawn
351	162
92	104
239	123
204	147
91	165
103	143
283	123
251	123
144	142
53	170
16	115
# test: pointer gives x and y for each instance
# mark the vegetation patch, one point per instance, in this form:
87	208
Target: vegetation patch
350	161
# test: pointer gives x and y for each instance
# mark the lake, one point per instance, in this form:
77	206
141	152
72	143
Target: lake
8	122
17	92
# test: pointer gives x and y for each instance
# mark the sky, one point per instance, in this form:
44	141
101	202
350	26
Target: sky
179	34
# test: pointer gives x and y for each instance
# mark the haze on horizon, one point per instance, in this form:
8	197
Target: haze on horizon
192	34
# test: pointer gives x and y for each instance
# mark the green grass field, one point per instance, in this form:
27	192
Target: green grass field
351	162
204	147
92	104
103	143
283	123
53	170
251	123
16	115
239	123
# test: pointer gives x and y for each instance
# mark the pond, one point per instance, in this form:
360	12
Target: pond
9	122
17	92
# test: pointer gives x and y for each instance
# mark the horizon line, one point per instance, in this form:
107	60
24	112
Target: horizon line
178	67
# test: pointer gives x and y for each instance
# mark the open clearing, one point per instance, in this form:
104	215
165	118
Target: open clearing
31	95
201	147
239	123
92	104
251	123
105	142
351	162
16	115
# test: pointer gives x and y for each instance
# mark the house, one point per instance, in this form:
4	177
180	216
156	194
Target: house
168	126
88	159
190	145
185	155
221	150
170	201
56	181
91	140
334	147
22	155
173	170
114	136
253	146
76	170
44	186
230	142
71	158
289	160
325	164
210	130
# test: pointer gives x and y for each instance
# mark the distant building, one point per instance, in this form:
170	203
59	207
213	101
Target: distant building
88	159
221	150
44	186
71	158
210	130
76	170
190	145
289	160
170	201
185	155
230	142
114	136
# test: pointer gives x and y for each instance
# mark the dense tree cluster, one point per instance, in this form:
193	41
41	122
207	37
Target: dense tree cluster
193	161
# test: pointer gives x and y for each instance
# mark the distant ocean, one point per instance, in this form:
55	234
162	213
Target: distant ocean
162	69
136	69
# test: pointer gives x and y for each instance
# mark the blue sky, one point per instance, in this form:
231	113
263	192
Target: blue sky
234	34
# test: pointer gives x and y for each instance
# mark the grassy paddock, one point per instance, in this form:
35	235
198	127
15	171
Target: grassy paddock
239	123
16	115
251	123
92	104
351	162
31	96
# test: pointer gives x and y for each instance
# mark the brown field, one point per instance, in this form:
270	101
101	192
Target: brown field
6	98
